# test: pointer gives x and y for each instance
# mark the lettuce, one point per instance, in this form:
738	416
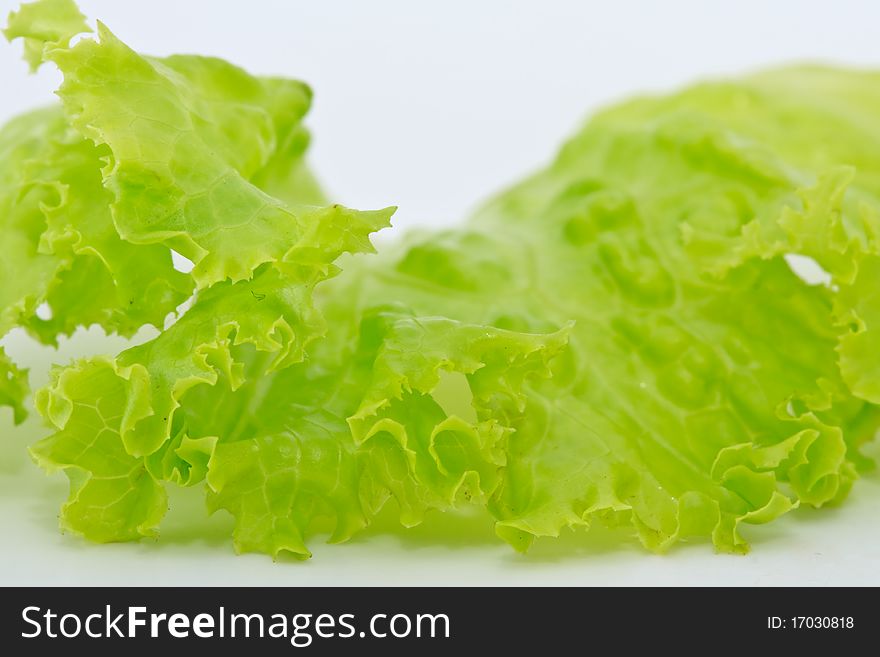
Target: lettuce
146	155
13	387
620	338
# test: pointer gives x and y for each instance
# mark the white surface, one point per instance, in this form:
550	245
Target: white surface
432	107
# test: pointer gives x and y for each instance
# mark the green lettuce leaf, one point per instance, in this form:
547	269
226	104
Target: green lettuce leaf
339	442
620	338
13	387
112	496
185	137
70	255
86	196
74	238
704	386
45	24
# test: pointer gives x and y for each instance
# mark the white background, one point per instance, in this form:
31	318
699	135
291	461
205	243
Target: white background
433	106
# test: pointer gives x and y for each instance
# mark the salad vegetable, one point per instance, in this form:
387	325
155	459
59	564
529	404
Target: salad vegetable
620	338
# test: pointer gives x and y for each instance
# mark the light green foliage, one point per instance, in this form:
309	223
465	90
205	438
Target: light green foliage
13	387
617	339
45	24
87	220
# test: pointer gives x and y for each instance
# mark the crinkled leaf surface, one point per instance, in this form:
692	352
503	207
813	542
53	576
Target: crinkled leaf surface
13	387
617	339
80	195
150	154
704	384
50	23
